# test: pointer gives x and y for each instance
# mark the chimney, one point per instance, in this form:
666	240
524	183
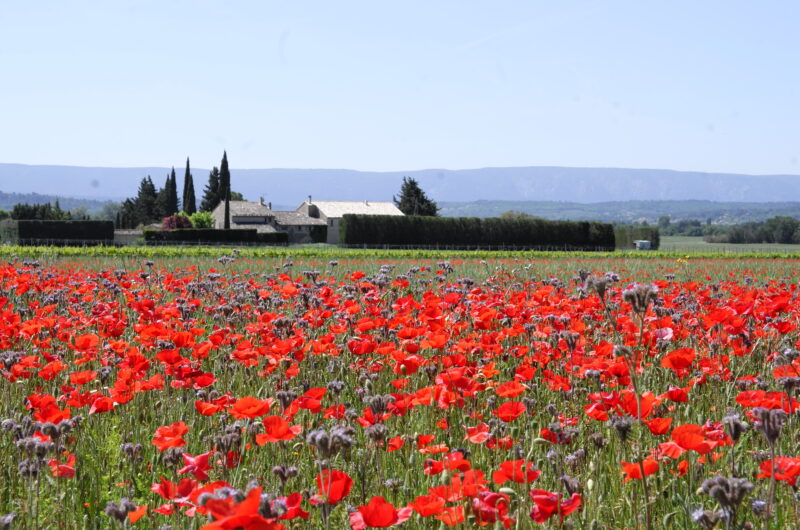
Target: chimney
309	199
366	202
261	201
269	206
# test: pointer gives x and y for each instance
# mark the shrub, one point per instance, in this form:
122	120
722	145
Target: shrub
176	221
202	220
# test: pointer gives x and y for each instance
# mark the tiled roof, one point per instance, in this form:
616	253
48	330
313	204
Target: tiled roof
296	219
340	208
248	208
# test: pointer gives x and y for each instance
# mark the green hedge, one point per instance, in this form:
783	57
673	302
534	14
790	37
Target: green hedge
211	235
625	235
34	231
471	232
319	233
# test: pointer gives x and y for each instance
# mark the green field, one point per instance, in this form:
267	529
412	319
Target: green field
696	244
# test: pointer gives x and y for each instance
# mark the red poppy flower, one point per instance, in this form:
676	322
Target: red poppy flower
787	469
277	429
250	407
196	465
519	471
658	426
490	507
170	436
679	361
65	470
547	504
232	516
634	470
332	486
427	505
692	438
477	434
510	411
510	389
378	514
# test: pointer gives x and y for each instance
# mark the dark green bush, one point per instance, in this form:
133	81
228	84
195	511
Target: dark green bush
471	232
211	235
34	231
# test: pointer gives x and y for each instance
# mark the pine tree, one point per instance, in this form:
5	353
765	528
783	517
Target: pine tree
413	200
189	202
211	192
145	203
225	189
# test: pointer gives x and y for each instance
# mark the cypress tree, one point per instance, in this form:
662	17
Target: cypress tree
225	188
211	192
189	202
172	195
162	200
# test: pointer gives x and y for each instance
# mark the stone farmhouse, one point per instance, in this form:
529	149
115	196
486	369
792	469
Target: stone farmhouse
331	212
301	223
261	216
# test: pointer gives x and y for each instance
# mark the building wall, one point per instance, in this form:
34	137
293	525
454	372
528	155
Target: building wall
218	214
333	230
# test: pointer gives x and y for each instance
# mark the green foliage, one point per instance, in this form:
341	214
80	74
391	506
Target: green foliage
467	232
4	215
225	189
8	200
211	236
780	229
167	197
414	201
42	212
142	209
319	234
30	231
625	235
211	195
202	220
188	200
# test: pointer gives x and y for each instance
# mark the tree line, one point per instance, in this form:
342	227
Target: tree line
151	205
164	206
780	229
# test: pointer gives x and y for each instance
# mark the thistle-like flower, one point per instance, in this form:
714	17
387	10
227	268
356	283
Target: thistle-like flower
728	492
769	422
640	296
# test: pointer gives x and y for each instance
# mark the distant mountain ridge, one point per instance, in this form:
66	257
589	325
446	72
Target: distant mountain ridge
628	211
535	183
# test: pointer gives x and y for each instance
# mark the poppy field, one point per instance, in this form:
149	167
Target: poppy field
261	393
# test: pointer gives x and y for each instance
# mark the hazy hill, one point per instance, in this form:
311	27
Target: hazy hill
291	186
8	200
628	211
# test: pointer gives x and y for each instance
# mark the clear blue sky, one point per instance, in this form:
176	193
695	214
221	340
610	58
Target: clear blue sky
377	85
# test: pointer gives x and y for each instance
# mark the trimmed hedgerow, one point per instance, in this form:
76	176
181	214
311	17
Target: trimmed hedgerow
466	232
214	236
